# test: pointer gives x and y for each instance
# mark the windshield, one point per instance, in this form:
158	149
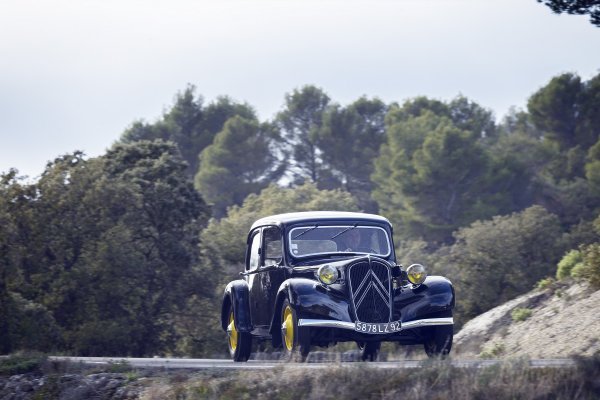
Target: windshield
353	238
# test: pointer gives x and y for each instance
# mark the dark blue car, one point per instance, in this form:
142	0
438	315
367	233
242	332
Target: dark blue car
323	277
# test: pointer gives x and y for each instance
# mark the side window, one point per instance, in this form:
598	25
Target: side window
273	245
253	258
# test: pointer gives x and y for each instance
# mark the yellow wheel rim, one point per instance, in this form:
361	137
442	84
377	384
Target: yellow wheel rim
233	333
288	322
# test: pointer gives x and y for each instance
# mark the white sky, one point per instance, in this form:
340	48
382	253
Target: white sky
74	74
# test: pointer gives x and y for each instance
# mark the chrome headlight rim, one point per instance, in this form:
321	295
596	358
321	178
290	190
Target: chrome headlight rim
328	274
416	274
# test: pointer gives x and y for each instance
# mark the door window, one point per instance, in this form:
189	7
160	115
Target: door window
253	258
273	245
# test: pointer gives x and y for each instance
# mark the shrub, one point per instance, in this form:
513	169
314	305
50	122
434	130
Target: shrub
520	314
545	283
589	268
497	260
32	326
567	263
493	352
21	363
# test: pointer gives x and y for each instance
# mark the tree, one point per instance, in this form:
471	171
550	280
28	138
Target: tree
300	122
240	161
11	194
464	114
432	177
592	168
576	7
105	249
143	263
496	260
554	109
566	112
189	124
520	159
350	140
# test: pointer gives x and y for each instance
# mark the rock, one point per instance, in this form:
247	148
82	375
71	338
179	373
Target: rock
480	329
564	321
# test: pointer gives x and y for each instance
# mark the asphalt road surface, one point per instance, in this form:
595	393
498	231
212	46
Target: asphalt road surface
200	363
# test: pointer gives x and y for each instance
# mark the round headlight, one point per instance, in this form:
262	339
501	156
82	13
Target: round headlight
328	274
416	274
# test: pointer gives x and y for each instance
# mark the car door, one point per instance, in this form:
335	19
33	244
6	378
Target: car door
264	280
252	275
272	273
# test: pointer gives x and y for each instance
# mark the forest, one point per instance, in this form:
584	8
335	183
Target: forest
127	253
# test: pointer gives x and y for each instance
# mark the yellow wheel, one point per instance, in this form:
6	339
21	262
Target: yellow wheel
233	333
288	328
239	343
295	339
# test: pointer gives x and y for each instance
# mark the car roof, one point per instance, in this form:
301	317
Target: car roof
312	216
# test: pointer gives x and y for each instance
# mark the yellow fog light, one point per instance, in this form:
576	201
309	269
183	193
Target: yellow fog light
328	274
416	274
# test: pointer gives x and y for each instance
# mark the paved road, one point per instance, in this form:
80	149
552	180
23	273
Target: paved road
199	363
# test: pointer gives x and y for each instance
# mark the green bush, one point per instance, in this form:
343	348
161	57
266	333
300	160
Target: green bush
589	268
494	352
32	326
21	363
567	263
545	283
520	314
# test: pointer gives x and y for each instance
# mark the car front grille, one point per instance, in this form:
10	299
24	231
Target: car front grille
371	291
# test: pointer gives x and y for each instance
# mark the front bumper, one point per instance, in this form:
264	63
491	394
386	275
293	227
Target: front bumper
419	323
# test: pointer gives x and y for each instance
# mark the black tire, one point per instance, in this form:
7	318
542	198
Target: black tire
295	340
239	343
439	342
369	351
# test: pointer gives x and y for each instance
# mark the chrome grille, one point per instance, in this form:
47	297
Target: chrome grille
371	291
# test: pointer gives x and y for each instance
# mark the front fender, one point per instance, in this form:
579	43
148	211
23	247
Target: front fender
311	299
435	296
237	295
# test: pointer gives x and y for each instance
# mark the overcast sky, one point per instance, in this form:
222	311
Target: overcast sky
74	74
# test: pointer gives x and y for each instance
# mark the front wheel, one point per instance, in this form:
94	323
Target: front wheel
239	343
295	339
439	341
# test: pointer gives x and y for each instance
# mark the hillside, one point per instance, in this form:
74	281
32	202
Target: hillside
559	321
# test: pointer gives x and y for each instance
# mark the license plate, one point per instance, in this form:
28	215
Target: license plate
388	327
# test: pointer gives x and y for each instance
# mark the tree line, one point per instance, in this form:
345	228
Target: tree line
126	253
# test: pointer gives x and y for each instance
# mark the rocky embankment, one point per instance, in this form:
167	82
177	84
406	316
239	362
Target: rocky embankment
116	386
558	322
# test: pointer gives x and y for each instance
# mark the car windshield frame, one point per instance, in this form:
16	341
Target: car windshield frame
336	233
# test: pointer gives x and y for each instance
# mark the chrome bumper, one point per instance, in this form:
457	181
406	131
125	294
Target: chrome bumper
327	323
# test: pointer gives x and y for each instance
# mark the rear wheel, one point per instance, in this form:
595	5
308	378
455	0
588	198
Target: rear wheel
439	342
239	343
295	339
369	351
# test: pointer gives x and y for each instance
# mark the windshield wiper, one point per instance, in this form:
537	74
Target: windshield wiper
303	232
344	231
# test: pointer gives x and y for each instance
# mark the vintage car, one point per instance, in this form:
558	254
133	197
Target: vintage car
319	278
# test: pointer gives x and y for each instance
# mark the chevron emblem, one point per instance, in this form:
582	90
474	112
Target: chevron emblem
371	284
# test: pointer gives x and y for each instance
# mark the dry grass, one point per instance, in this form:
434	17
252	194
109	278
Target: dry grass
510	380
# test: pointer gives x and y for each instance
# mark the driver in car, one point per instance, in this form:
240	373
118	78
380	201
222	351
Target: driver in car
352	240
